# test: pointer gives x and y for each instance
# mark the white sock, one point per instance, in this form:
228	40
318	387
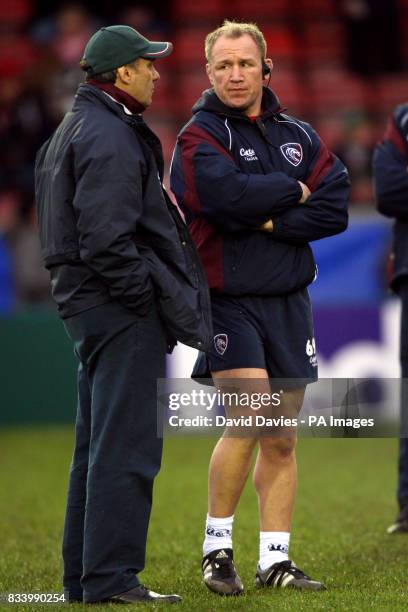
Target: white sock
273	547
218	533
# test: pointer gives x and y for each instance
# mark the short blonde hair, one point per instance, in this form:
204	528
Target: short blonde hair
235	29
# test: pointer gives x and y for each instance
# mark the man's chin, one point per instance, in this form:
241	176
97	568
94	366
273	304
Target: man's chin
238	105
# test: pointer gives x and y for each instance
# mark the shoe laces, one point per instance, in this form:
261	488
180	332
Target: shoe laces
224	567
289	568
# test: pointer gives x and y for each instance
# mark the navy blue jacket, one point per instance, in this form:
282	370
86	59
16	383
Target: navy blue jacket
231	174
108	230
390	162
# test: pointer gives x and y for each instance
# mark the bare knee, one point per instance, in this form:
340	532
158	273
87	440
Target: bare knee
231	446
278	450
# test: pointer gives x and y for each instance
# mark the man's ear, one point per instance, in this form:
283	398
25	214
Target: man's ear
208	69
123	75
269	63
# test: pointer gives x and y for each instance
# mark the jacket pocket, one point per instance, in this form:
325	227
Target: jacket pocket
179	304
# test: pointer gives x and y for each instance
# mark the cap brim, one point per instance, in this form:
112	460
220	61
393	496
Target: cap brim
158	49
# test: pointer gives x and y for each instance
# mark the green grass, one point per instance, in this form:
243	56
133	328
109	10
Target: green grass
345	501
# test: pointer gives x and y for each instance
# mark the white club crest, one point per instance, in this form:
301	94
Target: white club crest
221	343
292	152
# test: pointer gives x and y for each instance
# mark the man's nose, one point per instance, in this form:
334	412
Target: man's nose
156	74
236	73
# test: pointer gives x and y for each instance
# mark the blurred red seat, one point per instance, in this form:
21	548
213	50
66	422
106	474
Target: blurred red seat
197	12
281	43
261	10
15	12
189	47
316	9
323	43
331	90
190	86
285	83
390	91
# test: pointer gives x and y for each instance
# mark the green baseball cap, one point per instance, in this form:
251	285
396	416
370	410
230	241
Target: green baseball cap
118	45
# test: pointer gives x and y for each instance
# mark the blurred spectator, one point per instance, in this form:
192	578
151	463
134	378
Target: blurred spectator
24	125
72	32
144	19
62	39
356	153
372	35
31	280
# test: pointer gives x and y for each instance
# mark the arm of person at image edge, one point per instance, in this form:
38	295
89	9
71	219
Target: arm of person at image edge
390	162
214	186
108	204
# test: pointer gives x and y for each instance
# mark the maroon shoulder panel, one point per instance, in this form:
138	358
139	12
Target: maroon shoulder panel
322	166
393	135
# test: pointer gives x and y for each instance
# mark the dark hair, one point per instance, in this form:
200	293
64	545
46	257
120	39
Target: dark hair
102	77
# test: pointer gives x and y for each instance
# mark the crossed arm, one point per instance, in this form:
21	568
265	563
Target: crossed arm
206	181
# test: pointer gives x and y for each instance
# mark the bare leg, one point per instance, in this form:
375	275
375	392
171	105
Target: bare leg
229	468
232	457
275	472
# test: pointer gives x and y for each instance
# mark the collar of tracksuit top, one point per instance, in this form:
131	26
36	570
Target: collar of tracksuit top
120	103
271	107
130	103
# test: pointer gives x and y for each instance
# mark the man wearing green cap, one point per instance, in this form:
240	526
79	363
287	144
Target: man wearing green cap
127	282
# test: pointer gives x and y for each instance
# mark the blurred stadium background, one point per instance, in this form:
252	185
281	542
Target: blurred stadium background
340	64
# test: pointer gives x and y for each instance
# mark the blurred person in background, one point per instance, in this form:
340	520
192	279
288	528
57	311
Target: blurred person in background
72	28
390	169
127	282
32	283
372	28
256	185
356	153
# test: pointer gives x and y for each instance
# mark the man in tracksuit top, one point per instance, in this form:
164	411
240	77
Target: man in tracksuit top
128	284
390	164
256	185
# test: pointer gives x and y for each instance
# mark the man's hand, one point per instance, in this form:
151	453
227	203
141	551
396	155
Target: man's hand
267	226
305	192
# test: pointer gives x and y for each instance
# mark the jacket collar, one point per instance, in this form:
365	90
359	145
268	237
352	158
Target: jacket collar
131	104
210	102
89	93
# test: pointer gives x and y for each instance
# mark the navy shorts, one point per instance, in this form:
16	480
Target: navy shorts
272	333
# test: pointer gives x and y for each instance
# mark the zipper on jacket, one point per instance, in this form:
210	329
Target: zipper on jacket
262	128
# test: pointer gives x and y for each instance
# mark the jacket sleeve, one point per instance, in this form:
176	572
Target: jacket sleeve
206	180
325	211
390	161
108	205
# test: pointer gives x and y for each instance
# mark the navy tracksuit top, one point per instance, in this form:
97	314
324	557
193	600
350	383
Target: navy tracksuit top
390	162
230	174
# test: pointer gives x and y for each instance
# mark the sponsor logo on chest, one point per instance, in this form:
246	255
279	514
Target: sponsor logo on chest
248	154
292	152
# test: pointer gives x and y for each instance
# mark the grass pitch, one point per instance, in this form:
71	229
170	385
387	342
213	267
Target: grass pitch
345	502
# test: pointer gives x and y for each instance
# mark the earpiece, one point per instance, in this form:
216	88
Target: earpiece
265	69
